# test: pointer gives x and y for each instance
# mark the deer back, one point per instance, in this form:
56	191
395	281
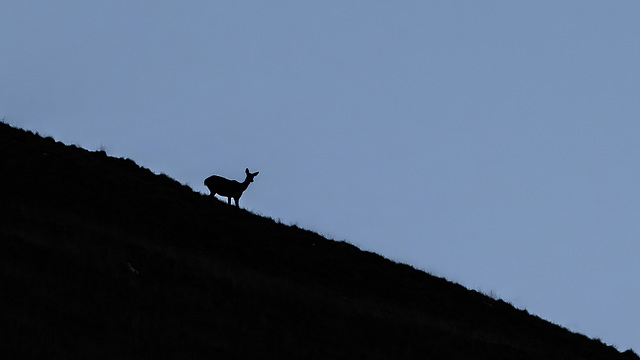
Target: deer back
222	186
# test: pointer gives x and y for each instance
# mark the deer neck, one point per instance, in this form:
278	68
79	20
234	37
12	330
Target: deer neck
245	183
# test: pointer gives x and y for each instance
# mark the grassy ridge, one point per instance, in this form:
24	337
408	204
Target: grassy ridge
215	281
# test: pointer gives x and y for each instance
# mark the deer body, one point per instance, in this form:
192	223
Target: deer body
229	188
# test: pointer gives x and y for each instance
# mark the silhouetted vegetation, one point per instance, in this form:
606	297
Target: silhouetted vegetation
213	281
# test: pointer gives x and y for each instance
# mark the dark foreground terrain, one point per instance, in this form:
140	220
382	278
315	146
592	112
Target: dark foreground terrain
217	282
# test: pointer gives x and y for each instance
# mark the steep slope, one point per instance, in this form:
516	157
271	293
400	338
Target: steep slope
214	281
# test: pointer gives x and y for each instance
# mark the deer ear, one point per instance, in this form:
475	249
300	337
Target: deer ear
256	173
246	170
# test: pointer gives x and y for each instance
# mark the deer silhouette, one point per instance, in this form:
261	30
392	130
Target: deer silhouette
229	188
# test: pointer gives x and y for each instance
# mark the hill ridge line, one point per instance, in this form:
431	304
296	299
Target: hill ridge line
209	277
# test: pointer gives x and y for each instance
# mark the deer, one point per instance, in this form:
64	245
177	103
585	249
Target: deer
229	188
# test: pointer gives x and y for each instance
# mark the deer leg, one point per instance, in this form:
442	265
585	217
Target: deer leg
229	199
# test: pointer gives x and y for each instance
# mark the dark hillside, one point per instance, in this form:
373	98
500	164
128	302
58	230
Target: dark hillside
216	282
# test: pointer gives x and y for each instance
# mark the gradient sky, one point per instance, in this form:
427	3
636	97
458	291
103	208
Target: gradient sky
493	143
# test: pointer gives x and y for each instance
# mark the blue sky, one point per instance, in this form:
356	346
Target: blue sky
494	143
